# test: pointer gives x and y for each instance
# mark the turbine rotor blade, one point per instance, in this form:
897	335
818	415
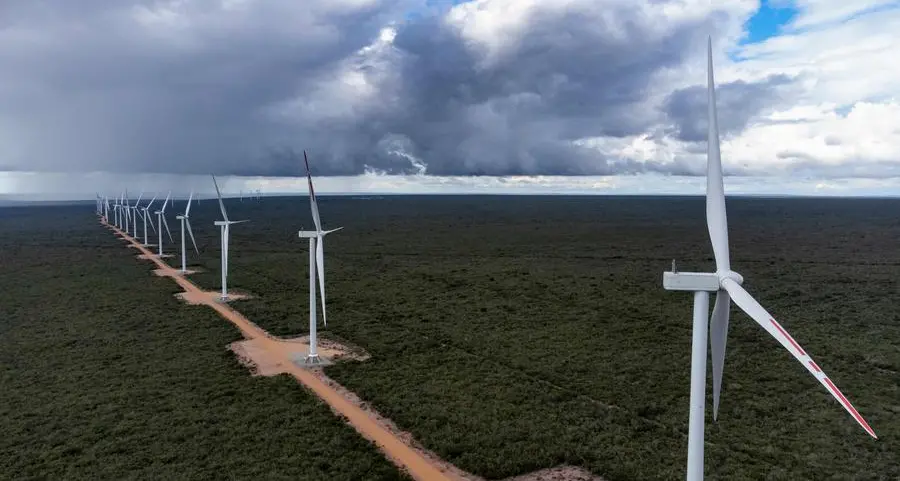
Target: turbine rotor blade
762	317
313	205
718	336
716	221
188	209
166	224
187	223
150	219
320	267
219	195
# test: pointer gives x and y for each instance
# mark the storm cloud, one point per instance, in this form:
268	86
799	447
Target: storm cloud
489	87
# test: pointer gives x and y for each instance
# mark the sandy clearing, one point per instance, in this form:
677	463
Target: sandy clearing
205	297
559	473
169	272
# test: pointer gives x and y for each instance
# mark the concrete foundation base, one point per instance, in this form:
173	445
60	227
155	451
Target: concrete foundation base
304	360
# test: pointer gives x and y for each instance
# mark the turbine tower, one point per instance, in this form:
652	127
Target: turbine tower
727	285
225	228
146	216
185	221
161	221
126	212
316	263
134	215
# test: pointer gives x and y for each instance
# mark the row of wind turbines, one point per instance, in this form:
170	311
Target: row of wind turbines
125	217
725	282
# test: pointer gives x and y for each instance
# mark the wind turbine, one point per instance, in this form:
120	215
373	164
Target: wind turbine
224	227
185	221
316	263
134	215
161	221
126	211
116	212
146	216
727	285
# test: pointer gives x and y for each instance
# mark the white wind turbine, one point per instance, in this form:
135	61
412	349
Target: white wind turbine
126	212
225	228
185	221
727	286
161	222
116	212
316	263
135	214
146	216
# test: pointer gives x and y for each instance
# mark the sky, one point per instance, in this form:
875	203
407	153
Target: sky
447	96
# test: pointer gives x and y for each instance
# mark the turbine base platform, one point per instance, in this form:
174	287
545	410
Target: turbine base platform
309	362
206	297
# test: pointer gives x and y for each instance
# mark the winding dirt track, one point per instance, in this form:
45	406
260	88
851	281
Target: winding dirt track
400	452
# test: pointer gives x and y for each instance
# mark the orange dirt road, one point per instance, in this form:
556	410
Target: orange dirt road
401	453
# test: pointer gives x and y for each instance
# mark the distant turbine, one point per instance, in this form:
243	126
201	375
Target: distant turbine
316	263
135	214
126	211
727	284
146	216
161	222
185	221
225	228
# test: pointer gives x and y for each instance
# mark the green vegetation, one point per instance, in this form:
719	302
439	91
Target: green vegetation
514	333
105	375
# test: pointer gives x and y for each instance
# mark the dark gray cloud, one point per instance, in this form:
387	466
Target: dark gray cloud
687	108
241	87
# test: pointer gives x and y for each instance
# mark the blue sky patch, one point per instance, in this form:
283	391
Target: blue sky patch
768	21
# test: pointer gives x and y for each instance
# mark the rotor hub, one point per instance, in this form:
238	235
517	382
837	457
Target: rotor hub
730	275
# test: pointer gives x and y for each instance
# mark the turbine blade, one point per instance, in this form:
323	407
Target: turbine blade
238	221
313	205
163	209
187	210
151	202
332	230
762	317
320	267
150	219
139	198
718	336
716	220
187	223
166	224
219	195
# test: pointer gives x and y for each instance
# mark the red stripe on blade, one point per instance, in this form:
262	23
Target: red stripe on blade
815	366
788	336
849	407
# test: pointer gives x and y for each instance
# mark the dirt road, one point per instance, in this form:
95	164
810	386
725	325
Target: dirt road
402	453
